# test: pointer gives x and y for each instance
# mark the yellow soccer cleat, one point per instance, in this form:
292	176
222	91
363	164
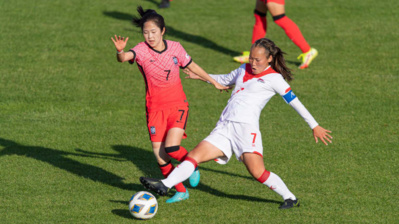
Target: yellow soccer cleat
244	58
307	58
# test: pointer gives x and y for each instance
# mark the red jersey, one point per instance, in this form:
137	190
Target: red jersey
161	72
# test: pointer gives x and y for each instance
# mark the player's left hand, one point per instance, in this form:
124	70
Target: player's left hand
320	132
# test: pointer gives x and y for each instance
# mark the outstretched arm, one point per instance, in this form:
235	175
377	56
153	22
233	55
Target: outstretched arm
282	87
194	71
318	131
120	44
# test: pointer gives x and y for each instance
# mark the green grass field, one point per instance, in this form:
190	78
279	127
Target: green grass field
73	138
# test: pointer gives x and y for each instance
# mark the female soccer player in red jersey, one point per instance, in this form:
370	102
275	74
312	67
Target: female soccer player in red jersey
159	62
237	131
277	9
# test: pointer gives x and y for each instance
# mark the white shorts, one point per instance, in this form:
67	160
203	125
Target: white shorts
238	138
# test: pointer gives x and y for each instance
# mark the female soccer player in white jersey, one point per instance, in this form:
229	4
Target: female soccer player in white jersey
160	61
237	130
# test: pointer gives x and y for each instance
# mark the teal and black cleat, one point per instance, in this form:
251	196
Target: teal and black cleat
179	196
289	203
195	178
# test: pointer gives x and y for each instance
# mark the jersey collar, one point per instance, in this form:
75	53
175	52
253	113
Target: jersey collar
248	72
159	52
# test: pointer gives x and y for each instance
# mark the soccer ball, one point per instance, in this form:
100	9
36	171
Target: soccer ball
143	205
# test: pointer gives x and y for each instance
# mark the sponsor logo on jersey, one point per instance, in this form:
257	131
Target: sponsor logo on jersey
261	80
152	129
152	60
175	60
187	56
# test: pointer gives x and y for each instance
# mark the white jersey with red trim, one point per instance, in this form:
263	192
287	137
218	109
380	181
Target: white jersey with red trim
252	92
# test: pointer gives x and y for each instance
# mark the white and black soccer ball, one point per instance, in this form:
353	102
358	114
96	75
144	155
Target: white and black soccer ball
143	205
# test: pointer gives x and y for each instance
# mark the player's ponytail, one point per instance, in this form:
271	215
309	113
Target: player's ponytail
278	61
148	15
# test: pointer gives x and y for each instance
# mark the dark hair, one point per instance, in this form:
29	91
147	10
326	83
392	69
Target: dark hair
148	15
278	61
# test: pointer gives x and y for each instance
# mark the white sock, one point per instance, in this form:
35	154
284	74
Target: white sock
275	183
181	173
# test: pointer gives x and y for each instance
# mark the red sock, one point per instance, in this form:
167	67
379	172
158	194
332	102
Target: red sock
166	169
293	32
178	153
260	26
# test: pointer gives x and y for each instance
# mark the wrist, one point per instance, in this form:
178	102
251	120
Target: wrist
119	51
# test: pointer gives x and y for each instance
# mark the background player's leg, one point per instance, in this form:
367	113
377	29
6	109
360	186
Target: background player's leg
258	31
293	32
290	28
260	26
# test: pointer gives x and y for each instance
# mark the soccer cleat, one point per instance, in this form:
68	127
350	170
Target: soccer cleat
164	4
244	58
195	178
155	185
289	203
307	58
179	196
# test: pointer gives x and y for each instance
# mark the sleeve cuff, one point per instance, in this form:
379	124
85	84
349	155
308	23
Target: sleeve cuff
134	57
191	60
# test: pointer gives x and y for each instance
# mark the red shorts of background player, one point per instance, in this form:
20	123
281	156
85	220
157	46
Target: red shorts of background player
160	122
281	2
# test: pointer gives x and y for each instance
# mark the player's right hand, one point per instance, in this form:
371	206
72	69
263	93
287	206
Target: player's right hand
120	42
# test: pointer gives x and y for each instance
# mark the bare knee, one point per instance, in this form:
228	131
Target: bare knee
159	153
254	164
275	9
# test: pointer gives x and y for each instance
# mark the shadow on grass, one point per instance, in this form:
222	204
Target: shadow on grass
59	159
295	63
139	157
218	193
202	41
124	213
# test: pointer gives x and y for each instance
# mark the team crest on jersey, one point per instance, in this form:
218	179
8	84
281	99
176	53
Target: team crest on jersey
175	60
152	129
